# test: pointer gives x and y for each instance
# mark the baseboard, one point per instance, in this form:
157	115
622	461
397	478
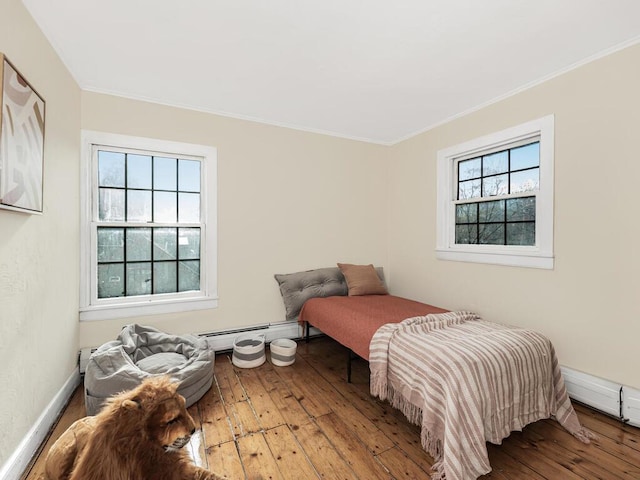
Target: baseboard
631	406
15	466
612	398
223	340
600	394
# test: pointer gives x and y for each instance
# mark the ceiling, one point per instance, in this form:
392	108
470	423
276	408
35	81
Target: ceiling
373	70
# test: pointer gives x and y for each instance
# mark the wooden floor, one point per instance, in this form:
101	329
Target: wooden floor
304	422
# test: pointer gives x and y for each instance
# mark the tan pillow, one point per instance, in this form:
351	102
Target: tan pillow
362	280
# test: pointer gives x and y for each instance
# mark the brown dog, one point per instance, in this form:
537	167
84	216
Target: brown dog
138	435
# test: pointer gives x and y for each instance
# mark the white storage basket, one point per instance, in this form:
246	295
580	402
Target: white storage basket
248	351
283	352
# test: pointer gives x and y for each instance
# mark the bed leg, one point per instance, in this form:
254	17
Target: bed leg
307	327
349	358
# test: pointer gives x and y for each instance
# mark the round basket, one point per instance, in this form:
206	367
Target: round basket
248	351
283	352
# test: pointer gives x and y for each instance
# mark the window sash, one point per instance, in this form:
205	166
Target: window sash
182	259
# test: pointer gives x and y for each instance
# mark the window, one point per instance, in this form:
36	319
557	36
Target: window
495	198
149	235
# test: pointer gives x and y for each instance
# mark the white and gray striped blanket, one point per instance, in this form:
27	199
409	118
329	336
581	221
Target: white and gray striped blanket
467	381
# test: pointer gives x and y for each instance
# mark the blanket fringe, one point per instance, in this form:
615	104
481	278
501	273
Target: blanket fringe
431	444
585	435
438	471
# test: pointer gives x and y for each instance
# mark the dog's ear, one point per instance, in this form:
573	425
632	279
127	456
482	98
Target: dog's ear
132	404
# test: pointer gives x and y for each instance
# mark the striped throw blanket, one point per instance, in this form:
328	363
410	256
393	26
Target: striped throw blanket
467	381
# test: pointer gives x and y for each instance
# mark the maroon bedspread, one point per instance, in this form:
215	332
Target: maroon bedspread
352	321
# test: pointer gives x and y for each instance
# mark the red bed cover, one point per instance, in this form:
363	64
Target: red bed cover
352	321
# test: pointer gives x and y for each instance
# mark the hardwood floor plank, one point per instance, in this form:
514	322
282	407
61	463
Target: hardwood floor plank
268	414
509	467
257	459
224	460
354	452
228	382
598	462
243	419
304	391
324	457
400	465
530	455
283	398
609	427
575	460
215	424
289	454
367	431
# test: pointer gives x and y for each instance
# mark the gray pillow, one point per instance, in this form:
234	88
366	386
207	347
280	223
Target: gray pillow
297	288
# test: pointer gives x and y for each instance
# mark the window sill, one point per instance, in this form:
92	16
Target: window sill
109	312
528	260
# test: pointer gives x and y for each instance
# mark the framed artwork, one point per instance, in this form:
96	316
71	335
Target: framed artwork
21	141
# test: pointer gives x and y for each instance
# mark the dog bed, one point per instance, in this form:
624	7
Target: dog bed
140	352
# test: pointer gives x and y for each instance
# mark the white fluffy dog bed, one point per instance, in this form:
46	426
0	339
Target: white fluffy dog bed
140	352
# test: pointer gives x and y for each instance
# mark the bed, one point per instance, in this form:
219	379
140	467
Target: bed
464	380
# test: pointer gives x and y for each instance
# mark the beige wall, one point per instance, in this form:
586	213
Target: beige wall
39	253
588	305
287	201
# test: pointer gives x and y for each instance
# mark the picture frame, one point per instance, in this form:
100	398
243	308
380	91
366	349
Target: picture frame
22	122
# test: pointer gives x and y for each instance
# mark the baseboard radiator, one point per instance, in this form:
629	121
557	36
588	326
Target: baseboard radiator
221	341
608	397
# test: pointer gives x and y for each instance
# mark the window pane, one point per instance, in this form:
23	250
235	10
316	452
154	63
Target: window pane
164	277
521	233
138	206
189	175
111	280
189	275
139	171
469	169
525	157
110	169
495	163
165	208
164	173
110	244
519	209
189	243
165	243
138	244
491	211
466	233
467	213
469	189
138	279
497	185
189	207
525	181
491	233
111	205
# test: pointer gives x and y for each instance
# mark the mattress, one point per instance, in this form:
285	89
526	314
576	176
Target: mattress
352	321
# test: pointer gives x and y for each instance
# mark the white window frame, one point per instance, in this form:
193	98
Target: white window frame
93	308
538	256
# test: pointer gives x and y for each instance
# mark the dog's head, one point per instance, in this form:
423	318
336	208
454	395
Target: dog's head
156	410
